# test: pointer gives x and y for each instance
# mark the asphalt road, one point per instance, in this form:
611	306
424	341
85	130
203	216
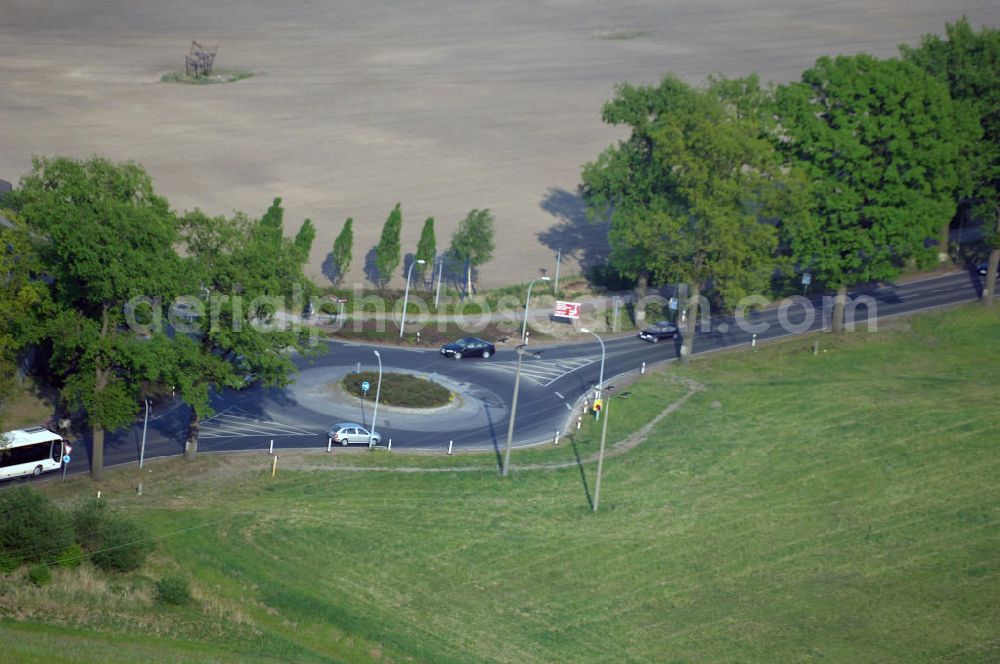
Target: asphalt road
552	386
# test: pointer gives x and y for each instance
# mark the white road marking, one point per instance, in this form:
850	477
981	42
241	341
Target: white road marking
541	371
234	423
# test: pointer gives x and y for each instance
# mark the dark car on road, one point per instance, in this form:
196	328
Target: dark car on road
468	347
661	330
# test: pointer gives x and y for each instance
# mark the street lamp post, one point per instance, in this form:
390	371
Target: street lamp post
378	391
600	380
527	302
145	422
600	455
406	295
513	408
437	292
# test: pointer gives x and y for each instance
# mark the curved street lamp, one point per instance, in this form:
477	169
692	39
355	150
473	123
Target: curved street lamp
378	391
406	295
600	381
527	301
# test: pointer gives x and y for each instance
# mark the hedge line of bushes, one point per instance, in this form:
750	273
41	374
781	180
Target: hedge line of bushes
35	530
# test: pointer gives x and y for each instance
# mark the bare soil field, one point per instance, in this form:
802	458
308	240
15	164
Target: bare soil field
355	106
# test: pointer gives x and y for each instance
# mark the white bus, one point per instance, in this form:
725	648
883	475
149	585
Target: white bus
30	451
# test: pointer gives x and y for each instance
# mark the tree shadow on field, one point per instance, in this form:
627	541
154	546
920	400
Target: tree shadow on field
330	269
583	475
371	267
578	237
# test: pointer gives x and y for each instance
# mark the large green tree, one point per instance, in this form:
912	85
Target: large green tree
388	251
473	242
695	193
248	273
426	247
343	247
880	141
24	300
968	62
104	236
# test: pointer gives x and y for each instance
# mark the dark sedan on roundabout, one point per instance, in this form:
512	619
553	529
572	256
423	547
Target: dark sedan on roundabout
661	330
468	347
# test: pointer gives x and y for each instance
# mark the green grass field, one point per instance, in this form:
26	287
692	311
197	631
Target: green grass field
839	507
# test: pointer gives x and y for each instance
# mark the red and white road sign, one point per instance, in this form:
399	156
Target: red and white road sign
67	449
567	309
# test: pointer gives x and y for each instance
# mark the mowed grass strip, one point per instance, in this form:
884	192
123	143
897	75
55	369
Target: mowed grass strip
840	506
398	389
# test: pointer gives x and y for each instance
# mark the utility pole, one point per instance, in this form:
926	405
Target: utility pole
513	408
555	284
600	455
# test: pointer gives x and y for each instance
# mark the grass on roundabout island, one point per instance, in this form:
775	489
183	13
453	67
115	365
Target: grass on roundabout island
839	506
398	389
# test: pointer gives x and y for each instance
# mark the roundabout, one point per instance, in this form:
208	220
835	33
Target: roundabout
552	389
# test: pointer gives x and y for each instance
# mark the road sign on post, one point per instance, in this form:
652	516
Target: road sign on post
365	386
567	309
598	404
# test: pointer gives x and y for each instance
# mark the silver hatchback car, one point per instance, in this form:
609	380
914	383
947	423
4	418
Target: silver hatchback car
346	433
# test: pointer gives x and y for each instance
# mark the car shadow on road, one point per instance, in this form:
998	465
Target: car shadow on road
583	475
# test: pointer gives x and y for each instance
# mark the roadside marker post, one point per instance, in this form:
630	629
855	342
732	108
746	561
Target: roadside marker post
556	440
450	443
329	444
270	449
643	370
753	342
579	421
390	445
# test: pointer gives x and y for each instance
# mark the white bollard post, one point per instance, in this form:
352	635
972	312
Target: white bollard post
98	495
450	443
753	342
270	449
526	335
556	441
390	444
579	421
329	444
358	370
643	370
